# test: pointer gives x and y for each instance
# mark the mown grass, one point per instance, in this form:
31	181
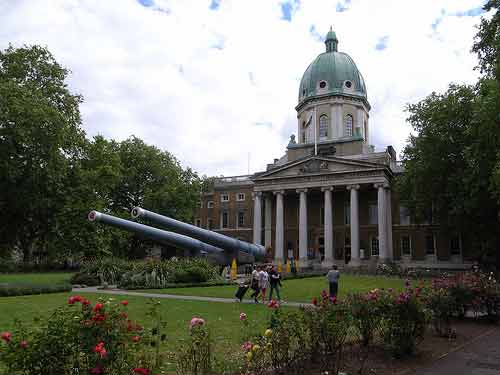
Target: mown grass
297	290
46	278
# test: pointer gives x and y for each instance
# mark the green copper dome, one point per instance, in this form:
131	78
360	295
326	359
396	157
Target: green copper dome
331	73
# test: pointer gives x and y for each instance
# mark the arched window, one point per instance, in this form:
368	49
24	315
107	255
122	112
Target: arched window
323	126
348	126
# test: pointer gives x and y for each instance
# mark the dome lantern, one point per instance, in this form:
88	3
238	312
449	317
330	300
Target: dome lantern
331	41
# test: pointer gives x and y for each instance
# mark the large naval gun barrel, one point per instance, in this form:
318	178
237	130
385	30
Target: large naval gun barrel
207	236
158	235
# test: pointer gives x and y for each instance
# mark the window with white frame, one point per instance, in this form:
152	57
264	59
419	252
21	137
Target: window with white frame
224	219
404	215
348	125
241	219
405	245
198	222
373	213
374	245
224	197
455	245
323	126
430	244
209	224
240	197
210	204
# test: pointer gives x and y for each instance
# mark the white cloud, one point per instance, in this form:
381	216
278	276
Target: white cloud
212	86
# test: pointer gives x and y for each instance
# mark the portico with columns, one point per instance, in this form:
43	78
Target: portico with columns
313	208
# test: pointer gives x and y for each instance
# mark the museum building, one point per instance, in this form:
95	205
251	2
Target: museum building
330	199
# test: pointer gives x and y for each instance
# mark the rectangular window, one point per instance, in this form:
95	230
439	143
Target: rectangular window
373	212
455	245
405	245
404	215
224	197
374	245
347	213
210	204
430	245
240	197
225	220
198	222
241	219
209	224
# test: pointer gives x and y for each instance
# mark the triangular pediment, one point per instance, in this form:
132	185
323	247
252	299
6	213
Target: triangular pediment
319	165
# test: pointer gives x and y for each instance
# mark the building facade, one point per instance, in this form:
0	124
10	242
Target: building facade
331	197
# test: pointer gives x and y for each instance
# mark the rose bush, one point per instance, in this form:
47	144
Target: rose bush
93	339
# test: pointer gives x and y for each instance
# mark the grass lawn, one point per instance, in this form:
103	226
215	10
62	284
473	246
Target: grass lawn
222	318
297	290
35	278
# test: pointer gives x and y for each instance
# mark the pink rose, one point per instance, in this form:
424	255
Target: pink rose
243	316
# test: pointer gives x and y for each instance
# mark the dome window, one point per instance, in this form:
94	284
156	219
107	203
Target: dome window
322	84
348	84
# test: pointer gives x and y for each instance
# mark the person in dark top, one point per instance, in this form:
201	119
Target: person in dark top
254	284
275	282
333	277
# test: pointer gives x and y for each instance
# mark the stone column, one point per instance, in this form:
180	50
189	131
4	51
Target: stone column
390	250
268	210
382	223
355	260
328	261
280	228
257	218
303	242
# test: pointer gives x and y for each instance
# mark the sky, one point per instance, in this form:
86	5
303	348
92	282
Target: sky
215	82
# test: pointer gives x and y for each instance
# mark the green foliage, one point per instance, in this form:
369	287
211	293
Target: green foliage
102	270
40	142
195	356
51	176
453	161
158	274
11	290
366	315
81	338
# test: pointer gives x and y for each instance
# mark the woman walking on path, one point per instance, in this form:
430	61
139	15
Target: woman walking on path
263	282
254	284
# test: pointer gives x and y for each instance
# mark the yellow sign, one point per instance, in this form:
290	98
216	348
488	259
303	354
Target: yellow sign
288	268
280	267
234	270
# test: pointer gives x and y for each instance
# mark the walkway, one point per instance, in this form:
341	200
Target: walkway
121	292
481	356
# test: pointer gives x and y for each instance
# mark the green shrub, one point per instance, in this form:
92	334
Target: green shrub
367	315
195	355
102	270
79	338
404	319
160	274
11	290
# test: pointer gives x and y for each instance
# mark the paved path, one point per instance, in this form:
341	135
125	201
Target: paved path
122	292
479	357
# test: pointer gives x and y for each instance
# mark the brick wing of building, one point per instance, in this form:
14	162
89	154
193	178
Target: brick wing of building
330	199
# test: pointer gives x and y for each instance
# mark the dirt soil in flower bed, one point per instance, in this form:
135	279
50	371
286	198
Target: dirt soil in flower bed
429	350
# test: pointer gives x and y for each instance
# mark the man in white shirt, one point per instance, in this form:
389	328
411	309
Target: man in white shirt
333	277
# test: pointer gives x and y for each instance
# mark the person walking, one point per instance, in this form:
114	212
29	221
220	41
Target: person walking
275	283
333	277
254	284
263	283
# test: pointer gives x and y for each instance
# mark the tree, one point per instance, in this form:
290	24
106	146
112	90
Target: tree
41	140
453	161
